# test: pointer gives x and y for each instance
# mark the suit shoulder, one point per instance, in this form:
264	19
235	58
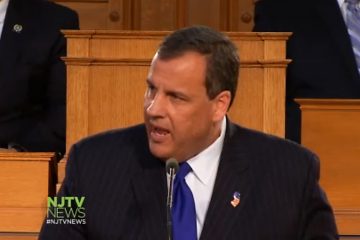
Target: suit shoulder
50	13
273	147
52	6
275	158
131	135
68	17
111	146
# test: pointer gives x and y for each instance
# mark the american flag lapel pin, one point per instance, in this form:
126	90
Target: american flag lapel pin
236	199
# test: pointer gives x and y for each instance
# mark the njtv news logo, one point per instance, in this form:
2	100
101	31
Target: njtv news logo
66	210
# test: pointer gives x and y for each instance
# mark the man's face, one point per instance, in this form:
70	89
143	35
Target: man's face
180	118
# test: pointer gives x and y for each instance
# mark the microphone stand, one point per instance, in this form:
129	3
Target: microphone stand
169	203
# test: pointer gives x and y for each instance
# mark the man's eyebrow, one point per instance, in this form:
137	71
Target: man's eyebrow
169	92
177	93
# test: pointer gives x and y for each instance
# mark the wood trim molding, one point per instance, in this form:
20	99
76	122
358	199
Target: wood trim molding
146	62
348	221
327	104
149	34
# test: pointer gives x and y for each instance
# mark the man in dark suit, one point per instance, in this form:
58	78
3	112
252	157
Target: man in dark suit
244	184
32	75
323	63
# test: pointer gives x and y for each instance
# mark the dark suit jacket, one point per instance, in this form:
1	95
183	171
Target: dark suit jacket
323	63
32	75
125	190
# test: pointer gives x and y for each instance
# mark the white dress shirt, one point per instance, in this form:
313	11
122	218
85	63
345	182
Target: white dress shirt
343	6
3	6
202	178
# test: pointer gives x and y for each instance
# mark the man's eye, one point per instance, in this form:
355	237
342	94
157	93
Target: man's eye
151	88
150	91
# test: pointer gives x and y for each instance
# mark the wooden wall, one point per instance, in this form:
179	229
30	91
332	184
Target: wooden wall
224	15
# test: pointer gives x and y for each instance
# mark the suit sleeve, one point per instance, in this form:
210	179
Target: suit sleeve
317	215
70	187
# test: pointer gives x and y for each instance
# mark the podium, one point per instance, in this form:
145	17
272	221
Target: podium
26	179
331	128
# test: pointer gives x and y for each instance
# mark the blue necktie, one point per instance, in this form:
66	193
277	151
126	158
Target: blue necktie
183	210
353	25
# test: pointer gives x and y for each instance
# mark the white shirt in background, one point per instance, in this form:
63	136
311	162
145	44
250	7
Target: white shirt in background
3	6
343	6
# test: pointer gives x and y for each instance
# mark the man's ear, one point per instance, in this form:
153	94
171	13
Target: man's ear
221	105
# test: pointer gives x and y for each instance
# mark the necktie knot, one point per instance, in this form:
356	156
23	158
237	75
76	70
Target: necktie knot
183	170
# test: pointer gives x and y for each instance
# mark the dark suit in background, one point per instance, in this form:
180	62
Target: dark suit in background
125	189
32	75
323	63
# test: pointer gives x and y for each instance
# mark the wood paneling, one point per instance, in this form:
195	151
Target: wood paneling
18	236
204	12
225	15
331	129
26	180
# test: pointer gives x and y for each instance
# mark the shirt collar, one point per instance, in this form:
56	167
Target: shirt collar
3	6
341	2
208	160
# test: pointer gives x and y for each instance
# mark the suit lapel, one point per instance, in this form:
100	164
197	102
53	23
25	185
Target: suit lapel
334	21
150	191
232	176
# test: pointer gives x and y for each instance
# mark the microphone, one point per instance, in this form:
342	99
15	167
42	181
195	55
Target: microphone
172	166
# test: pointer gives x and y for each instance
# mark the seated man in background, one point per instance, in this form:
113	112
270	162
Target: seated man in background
32	75
325	57
233	183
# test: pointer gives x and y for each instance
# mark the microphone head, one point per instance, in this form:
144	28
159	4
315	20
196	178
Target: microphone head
171	163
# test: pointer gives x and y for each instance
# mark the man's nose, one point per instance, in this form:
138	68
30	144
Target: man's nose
156	106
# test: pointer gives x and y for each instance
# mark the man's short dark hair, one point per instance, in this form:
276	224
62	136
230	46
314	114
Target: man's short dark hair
223	62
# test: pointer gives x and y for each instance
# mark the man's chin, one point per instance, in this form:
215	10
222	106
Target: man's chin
162	154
